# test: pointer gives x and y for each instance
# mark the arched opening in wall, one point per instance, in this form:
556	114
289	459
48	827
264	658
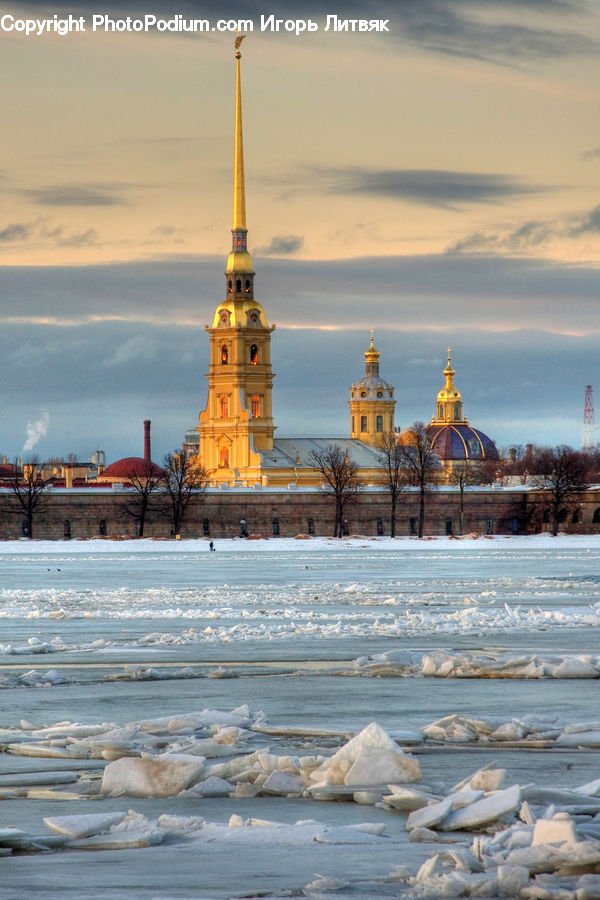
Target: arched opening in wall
546	519
596	516
412	525
205	528
238	286
379	423
440	411
379	527
577	516
66	529
456	410
255	406
224	407
448	527
310	526
230	285
248	285
253	355
275	525
363	423
25	528
224	355
224	457
102	527
562	515
137	527
489	526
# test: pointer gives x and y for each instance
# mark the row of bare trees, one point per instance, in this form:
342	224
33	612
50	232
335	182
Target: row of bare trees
170	494
559	473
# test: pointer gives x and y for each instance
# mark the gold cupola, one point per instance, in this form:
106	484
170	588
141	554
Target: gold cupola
449	399
371	403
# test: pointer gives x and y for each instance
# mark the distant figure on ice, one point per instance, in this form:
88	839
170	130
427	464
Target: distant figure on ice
211	546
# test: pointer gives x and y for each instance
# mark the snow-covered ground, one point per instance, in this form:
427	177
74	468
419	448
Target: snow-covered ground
234	677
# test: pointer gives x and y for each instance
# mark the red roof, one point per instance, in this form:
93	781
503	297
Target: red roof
132	466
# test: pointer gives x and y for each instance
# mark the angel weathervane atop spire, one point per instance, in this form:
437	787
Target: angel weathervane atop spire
238	42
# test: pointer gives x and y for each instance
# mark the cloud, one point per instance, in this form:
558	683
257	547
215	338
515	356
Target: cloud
594	153
282	245
74	195
590	225
132	350
429	187
36	431
15	232
527	235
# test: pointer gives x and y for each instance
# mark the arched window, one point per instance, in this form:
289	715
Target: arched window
255	406
456	410
66	529
205	527
363	423
275	526
248	285
254	355
546	519
379	527
238	285
224	355
230	284
576	517
352	423
448	526
102	527
596	518
379	423
224	407
224	457
310	526
440	410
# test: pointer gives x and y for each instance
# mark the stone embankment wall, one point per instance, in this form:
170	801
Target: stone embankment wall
90	513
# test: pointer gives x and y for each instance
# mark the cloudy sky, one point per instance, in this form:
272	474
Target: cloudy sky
438	183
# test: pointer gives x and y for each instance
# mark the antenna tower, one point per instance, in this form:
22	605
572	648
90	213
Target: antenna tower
589	426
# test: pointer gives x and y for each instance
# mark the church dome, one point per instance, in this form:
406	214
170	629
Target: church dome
372	386
132	466
460	442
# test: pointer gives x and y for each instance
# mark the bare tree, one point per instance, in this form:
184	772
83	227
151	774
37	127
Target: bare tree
184	486
561	473
392	459
340	473
420	462
27	491
138	502
462	477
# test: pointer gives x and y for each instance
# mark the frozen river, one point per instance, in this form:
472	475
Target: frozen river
119	632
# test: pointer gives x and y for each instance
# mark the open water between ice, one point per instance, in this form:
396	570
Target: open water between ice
321	637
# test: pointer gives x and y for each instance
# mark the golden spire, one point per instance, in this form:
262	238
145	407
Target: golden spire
239	188
449	373
239	261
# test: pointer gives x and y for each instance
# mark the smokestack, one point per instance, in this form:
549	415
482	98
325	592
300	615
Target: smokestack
147	440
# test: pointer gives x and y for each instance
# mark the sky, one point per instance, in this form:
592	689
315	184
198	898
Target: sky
437	182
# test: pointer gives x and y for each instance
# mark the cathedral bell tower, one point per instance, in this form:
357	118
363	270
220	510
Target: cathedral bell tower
238	419
371	403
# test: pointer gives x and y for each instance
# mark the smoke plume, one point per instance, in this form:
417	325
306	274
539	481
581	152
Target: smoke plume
35	431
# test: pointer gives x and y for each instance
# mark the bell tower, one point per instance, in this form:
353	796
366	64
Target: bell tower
371	403
238	420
